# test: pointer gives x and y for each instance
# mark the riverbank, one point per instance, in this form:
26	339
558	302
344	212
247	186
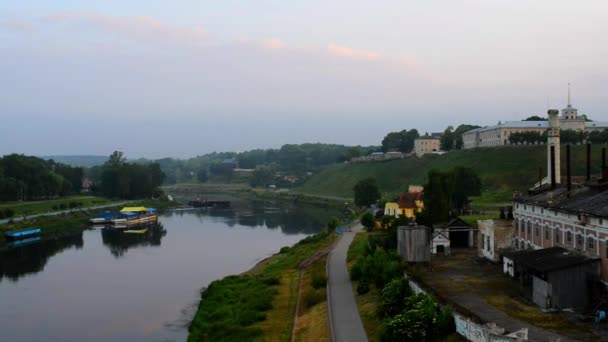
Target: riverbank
260	304
68	223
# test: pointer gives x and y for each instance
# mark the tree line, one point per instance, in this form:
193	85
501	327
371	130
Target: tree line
121	179
28	178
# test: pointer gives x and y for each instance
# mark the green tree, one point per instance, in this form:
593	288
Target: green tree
448	139
402	141
332	224
202	176
458	132
368	221
534	118
366	192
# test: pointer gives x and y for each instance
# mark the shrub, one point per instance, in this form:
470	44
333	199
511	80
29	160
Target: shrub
8	213
62	206
313	297
355	272
271	281
55	207
379	267
318	280
362	287
284	250
393	297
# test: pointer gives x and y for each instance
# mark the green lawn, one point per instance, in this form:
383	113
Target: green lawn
501	170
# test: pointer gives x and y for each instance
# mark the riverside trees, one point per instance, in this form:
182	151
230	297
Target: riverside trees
366	192
120	179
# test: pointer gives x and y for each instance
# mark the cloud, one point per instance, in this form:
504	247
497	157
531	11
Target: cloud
273	43
344	51
139	28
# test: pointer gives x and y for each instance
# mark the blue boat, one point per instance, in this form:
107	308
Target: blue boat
22	234
22	242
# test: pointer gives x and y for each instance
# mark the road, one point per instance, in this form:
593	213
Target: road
55	213
346	325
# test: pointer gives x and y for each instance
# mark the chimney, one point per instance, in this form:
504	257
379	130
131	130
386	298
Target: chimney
604	171
540	177
588	161
552	167
568	175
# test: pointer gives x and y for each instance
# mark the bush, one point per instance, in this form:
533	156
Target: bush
62	206
312	298
55	207
362	287
393	297
8	213
318	280
271	281
355	272
368	221
284	250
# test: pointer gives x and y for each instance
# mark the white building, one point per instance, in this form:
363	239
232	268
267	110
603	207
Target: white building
427	144
498	135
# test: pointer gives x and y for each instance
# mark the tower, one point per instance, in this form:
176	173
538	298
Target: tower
569	113
553	140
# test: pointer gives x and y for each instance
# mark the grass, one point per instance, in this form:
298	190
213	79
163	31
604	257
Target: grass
218	316
367	303
313	319
501	170
44	206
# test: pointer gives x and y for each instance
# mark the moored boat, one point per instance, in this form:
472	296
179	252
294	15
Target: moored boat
133	216
22	234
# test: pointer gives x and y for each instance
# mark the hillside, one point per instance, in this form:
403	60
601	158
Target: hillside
78	160
501	169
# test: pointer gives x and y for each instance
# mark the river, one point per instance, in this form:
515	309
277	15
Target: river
103	286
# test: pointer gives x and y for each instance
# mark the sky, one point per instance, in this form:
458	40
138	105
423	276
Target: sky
185	77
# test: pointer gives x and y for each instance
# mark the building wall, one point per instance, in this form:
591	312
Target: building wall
494	235
556	228
426	145
413	243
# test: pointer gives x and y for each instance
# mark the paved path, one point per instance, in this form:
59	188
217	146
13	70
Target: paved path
55	213
345	322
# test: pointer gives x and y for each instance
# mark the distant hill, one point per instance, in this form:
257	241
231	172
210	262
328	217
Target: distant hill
501	169
82	160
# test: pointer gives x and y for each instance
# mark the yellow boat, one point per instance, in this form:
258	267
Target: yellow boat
133	216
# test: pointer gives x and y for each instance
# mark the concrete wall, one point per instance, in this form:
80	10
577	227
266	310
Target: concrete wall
494	235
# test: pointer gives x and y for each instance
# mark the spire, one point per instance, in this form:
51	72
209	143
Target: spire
569	104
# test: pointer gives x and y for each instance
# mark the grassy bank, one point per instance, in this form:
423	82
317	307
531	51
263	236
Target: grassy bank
67	224
501	170
44	206
258	305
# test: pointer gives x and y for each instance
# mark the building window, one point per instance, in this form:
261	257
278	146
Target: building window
546	233
483	241
557	237
601	221
606	244
488	244
568	236
591	243
528	224
579	240
536	230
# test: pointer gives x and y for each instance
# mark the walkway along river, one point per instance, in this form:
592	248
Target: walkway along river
100	286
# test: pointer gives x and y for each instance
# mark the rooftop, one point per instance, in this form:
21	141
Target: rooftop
581	199
550	259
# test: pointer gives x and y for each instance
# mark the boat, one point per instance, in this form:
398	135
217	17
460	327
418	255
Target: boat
22	234
103	218
134	216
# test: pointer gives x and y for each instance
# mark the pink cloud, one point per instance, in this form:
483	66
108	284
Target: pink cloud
343	51
140	28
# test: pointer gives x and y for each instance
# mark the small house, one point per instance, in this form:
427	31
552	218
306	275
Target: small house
413	243
408	204
440	242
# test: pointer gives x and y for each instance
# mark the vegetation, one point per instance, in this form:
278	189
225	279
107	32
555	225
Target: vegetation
368	221
447	193
120	179
28	178
366	192
452	138
400	141
244	307
500	169
389	310
27	208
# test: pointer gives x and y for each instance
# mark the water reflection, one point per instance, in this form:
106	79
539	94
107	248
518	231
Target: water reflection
21	260
119	242
290	218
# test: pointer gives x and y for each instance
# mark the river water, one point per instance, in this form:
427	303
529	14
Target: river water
103	286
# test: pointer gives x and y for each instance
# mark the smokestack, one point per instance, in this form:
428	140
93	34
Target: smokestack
568	179
540	177
588	161
604	171
552	167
